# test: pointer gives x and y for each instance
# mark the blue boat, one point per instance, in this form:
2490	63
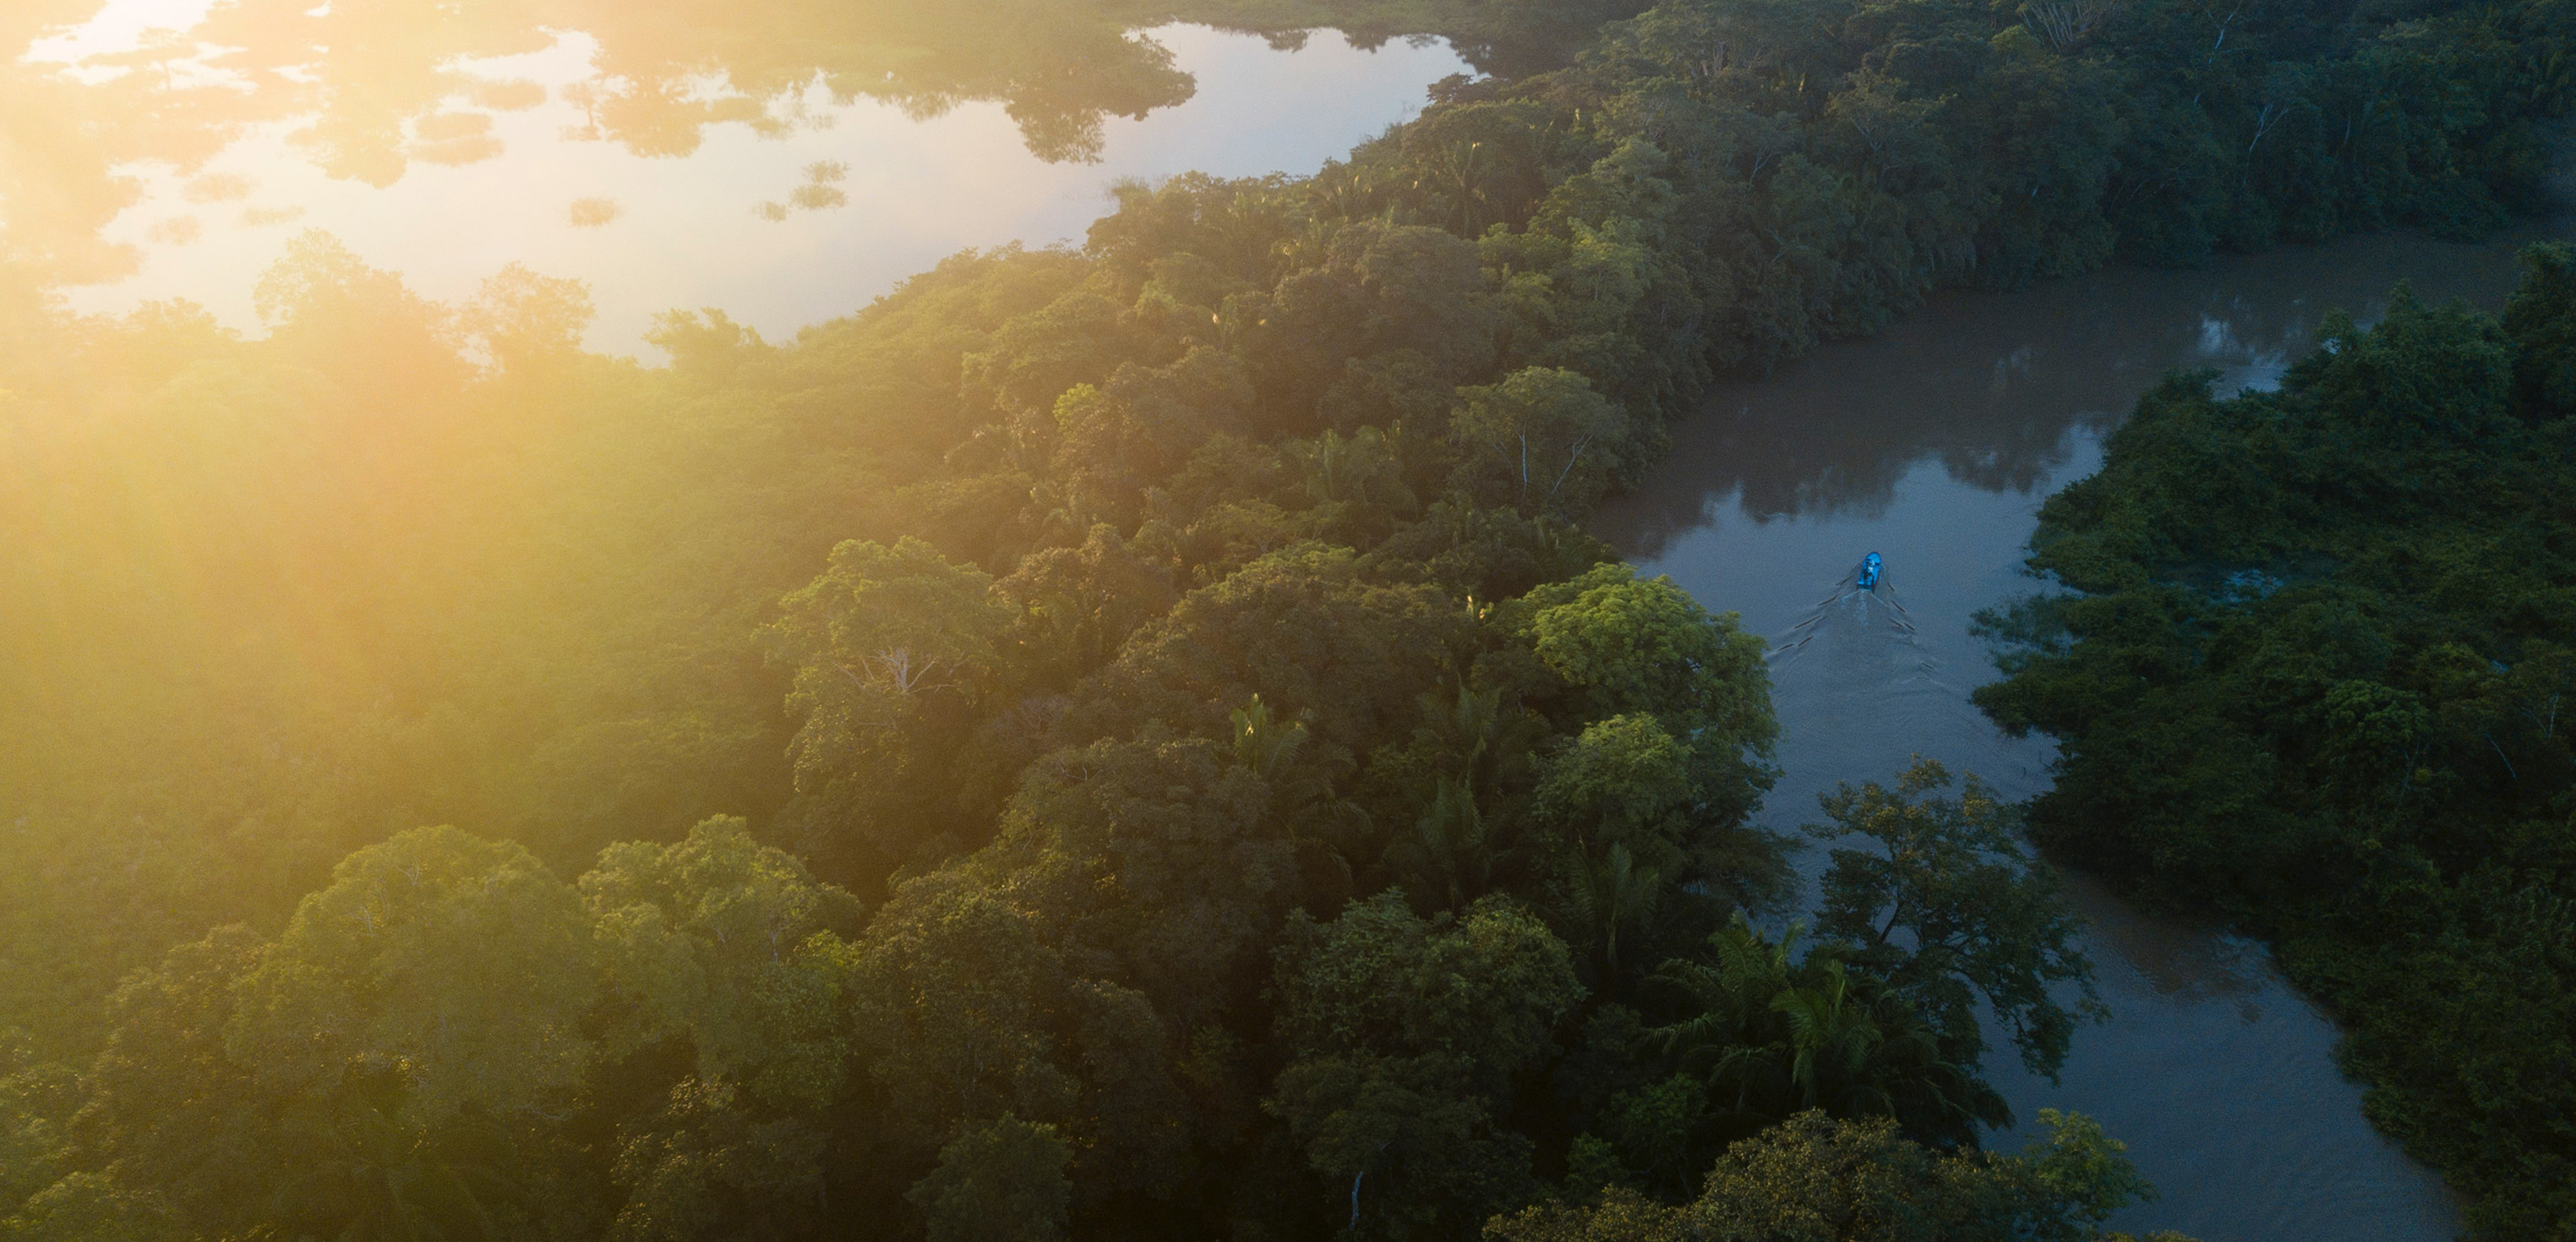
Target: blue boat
1869	573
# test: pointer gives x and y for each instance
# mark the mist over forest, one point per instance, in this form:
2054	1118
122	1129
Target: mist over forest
1133	739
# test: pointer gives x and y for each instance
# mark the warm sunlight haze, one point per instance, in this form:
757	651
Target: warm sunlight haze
1287	620
508	160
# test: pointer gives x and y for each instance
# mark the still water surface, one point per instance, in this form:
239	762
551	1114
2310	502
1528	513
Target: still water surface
788	181
1934	444
781	197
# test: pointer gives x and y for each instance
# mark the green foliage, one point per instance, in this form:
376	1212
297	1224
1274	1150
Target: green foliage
356	325
1627	646
1767	1035
1172	859
891	648
2540	319
1405	1034
735	945
2076	1163
1485	987
1627	772
2312	682
1945	920
89	1207
1001	1182
1306	628
957	995
1812	1179
734	949
707	1160
1982	923
1648	647
35	1102
461	962
1541	441
1272	808
183	1117
528	322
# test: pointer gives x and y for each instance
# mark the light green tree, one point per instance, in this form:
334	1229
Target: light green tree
894	649
733	947
1541	441
1645	650
736	946
462	961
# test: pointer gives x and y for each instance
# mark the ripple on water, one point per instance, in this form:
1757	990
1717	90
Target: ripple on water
1934	444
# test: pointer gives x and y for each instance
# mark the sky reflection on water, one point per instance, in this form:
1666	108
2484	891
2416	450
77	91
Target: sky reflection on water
782	202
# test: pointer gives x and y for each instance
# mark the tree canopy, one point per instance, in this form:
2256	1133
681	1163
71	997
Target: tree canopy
2311	680
1132	739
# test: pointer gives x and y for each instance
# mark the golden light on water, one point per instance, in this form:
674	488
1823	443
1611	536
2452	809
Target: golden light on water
1159	738
119	26
785	183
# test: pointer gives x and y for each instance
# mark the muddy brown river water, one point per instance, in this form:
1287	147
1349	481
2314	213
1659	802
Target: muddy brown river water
1934	444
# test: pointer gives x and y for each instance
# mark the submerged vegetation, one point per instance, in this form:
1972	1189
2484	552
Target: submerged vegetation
2315	679
1132	741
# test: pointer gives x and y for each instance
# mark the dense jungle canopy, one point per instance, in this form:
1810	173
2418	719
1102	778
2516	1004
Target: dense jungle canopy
2314	676
1133	740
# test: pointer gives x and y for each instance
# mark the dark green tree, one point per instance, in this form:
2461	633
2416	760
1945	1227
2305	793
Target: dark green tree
1405	1034
1952	913
1000	1182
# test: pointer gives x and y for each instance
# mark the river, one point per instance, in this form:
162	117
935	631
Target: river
788	184
1933	444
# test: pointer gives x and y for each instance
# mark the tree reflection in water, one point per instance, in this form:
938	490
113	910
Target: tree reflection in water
1991	384
375	88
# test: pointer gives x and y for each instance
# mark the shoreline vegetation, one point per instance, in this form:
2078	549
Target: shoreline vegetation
2309	675
1135	741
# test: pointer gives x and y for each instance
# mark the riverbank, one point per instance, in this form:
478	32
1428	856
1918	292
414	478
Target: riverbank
1933	443
1190	672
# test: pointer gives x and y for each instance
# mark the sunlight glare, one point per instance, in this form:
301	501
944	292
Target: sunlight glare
119	26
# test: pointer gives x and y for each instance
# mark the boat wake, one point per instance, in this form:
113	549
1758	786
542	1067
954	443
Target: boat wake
1864	611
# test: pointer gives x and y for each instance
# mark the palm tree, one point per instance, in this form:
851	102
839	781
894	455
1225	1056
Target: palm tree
1912	1079
1611	893
1831	1037
1447	848
1458	173
1263	743
1301	791
1773	1035
1476	746
1728	1035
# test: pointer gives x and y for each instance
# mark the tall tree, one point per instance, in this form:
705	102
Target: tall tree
1953	913
1405	1034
